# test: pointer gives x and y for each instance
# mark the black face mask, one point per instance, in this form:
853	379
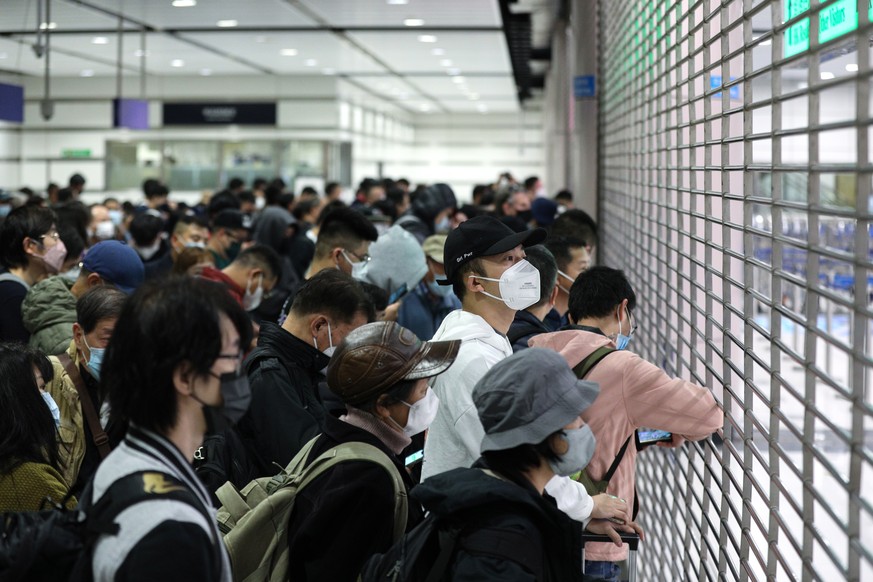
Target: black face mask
525	215
236	395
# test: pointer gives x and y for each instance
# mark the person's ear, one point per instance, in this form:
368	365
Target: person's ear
335	254
94	280
380	409
472	283
316	322
554	296
183	376
78	333
558	444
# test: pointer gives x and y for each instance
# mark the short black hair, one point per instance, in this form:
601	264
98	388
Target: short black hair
343	227
328	208
271	195
564	195
259	182
597	291
150	187
97	303
403	181
395	195
261	257
165	324
309	191
540	257
331	186
513	463
471	267
304	207
73	241
76	214
377	296
246	196
560	247
332	292
26	425
77	180
285	199
235	182
576	223
223	200
145	228
23	222
501	199
530	182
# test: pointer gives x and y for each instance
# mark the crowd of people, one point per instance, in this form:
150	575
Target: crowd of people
470	362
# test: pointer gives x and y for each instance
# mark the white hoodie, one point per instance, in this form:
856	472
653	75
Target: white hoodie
456	433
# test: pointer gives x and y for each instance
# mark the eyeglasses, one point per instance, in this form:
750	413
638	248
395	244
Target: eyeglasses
365	258
238	358
53	235
633	322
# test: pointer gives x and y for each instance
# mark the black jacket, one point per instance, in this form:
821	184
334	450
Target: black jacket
347	514
524	326
513	508
286	411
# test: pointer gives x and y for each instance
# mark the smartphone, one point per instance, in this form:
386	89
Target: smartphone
648	436
397	295
414	458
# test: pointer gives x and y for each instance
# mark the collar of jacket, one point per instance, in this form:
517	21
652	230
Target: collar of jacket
290	348
528	317
587	328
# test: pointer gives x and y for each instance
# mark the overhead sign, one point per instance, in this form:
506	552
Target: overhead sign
11	103
837	19
584	86
220	113
130	113
74	153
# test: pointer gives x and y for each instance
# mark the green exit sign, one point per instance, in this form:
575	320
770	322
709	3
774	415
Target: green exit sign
76	153
837	19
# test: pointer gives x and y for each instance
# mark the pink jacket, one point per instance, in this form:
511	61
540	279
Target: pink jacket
633	394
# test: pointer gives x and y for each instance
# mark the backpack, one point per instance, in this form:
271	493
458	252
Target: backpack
425	553
254	520
221	458
57	544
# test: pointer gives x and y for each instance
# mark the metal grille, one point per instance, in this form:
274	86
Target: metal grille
735	182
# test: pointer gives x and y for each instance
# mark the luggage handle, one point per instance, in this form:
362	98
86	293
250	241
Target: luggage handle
631	539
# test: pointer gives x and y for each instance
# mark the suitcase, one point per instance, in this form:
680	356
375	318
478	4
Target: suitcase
631	539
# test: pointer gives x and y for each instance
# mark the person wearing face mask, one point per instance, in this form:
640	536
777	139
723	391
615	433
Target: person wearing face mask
386	404
634	393
230	229
250	277
572	257
529	405
529	322
424	309
84	433
485	265
343	243
30	250
286	366
173	374
29	464
188	232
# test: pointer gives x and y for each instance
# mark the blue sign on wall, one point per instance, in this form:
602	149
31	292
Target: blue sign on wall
12	103
584	86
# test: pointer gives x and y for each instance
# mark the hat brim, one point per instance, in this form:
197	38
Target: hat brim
434	358
526	239
570	406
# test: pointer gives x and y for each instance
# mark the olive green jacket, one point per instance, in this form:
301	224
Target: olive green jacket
48	313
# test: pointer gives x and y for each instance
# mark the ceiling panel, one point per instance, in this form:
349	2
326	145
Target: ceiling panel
470	52
446	86
161	13
434	13
21	15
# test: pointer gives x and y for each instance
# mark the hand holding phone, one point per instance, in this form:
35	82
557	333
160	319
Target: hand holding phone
650	436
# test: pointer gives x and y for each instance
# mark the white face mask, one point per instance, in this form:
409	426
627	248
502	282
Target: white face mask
252	300
148	252
567	277
421	413
260	202
331	348
105	230
358	269
519	285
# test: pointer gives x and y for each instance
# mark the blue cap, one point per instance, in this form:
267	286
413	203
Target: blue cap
116	263
544	211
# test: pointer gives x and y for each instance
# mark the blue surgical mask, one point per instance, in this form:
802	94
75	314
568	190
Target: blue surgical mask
437	289
116	216
621	340
5	210
443	226
96	359
53	408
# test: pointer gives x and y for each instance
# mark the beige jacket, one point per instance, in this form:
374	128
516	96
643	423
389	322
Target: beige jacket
71	433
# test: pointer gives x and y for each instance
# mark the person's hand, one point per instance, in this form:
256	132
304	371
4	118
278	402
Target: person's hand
610	529
676	441
609	506
391	312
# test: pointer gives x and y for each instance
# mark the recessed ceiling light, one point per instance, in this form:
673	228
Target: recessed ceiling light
482	108
413	22
825	76
184	3
398	2
99	40
446	62
852	67
438	52
403	95
48	26
205	72
86	73
458	80
310	62
427	38
140	53
289	52
226	23
177	63
328	71
424	107
453	71
473	96
4	55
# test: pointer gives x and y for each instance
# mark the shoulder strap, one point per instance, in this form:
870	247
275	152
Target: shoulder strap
582	368
617	461
88	410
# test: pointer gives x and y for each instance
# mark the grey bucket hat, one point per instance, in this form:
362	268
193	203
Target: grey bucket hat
528	396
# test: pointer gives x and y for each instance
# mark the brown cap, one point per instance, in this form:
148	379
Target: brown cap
376	356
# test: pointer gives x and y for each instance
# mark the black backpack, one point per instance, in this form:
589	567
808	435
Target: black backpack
425	553
57	544
221	458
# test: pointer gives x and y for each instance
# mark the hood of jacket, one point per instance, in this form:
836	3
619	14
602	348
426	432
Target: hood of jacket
573	344
49	312
463	325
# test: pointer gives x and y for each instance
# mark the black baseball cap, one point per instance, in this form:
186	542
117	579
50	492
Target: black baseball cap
483	236
230	218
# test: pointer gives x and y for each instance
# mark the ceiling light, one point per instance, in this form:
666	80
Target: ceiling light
427	38
140	53
177	63
184	3
48	26
328	71
482	108
4	55
288	52
446	62
473	96
424	107
438	52
413	22
825	76
852	67
453	71
99	40
86	73
458	80
226	23
403	95
310	62
205	72
398	2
